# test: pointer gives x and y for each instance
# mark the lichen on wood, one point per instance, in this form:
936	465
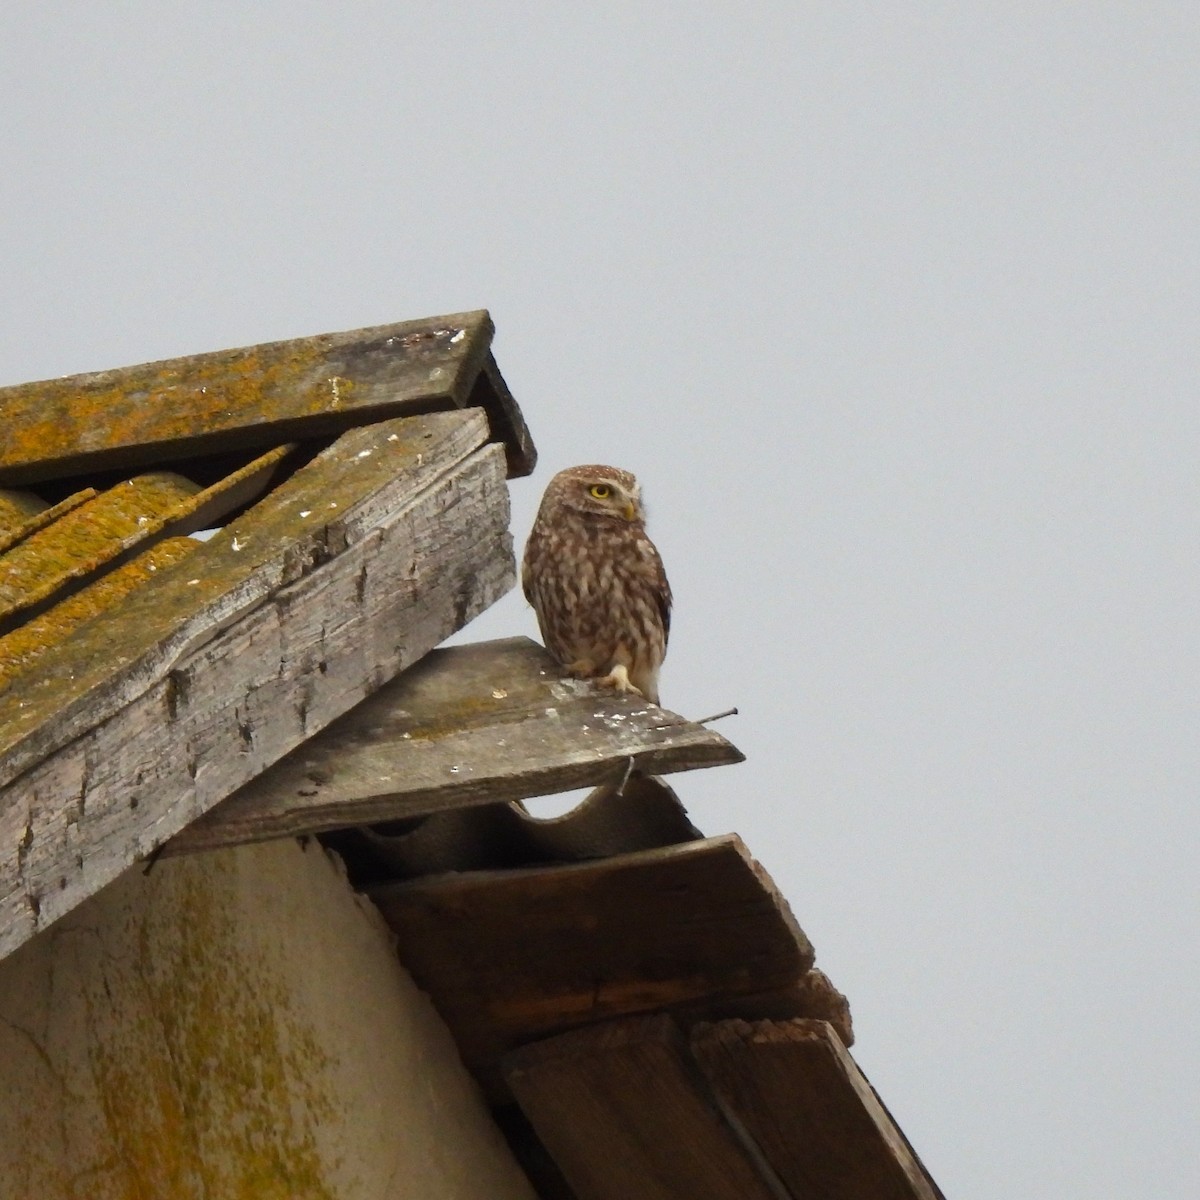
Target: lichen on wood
132	727
87	538
41	517
16	508
231	399
25	645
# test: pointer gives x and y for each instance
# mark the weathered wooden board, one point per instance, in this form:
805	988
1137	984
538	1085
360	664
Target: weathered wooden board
86	542
313	387
468	725
624	1113
17	509
349	571
104	532
328	505
802	1098
21	648
509	956
23	514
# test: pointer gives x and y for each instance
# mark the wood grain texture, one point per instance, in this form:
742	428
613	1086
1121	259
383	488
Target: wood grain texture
263	395
624	1113
344	575
467	725
802	1098
509	956
330	504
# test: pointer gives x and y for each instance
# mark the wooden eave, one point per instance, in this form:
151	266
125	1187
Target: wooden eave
145	676
648	1022
728	1110
636	1000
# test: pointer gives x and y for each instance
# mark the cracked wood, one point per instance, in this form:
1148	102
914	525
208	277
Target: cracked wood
345	574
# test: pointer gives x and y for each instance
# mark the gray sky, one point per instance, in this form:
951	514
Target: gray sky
887	304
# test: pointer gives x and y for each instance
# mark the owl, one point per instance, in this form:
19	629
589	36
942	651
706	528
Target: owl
596	581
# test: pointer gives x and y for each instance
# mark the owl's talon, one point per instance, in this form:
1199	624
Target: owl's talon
618	678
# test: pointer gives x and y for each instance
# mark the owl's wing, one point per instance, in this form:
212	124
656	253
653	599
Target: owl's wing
662	590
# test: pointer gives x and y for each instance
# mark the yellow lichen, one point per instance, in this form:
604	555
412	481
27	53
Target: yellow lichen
21	648
183	398
88	536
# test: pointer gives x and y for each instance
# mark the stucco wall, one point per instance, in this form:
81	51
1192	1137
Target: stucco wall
233	1025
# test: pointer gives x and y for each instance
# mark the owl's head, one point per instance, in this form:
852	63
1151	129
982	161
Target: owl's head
597	491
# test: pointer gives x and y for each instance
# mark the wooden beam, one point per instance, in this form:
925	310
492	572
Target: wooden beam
801	1097
468	725
346	573
330	504
509	956
307	388
624	1113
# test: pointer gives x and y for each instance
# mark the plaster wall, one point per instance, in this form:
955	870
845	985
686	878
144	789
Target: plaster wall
234	1024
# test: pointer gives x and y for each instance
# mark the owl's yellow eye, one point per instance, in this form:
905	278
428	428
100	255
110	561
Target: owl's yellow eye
601	491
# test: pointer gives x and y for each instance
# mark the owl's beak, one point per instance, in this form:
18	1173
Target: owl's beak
630	510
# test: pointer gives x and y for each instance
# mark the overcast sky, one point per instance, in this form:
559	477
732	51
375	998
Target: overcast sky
892	308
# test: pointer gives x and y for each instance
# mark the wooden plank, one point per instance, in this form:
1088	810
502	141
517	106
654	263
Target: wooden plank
350	570
22	514
98	536
624	1112
800	1095
509	956
263	395
86	541
331	503
468	725
21	648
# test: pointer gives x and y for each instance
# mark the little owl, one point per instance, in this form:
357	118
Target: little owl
596	581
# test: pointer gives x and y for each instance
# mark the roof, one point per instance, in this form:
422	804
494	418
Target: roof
364	468
637	1001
